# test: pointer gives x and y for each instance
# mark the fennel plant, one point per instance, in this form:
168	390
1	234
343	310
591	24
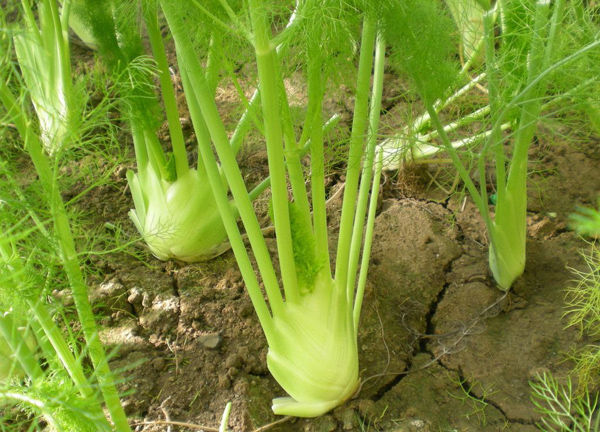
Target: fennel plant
518	67
175	210
311	318
32	251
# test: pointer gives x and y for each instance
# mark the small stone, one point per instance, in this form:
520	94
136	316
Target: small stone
241	387
365	407
135	296
210	340
158	364
146	301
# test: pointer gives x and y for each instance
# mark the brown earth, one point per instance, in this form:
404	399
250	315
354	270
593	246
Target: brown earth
441	348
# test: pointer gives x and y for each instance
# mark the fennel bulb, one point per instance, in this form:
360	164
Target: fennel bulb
313	353
46	89
508	232
177	219
43	55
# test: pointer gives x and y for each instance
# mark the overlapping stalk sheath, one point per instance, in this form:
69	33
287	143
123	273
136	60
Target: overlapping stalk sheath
43	54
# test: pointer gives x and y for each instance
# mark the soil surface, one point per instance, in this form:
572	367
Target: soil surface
441	347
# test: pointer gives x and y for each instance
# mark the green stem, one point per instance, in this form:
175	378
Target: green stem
19	348
244	123
359	124
156	155
314	129
150	14
62	44
265	58
293	154
451	127
306	146
531	107
495	138
139	145
366	255
36	404
212	61
64	18
367	173
462	171
31	22
56	339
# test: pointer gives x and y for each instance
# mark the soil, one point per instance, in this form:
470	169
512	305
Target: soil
441	347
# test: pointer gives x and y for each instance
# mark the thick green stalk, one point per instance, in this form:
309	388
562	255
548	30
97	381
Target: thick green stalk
149	10
139	145
531	107
508	236
293	154
62	41
31	22
265	58
317	158
495	139
64	18
364	265
156	156
367	173
359	125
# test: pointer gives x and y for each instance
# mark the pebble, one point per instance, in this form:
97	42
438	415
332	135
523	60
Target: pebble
210	340
158	364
